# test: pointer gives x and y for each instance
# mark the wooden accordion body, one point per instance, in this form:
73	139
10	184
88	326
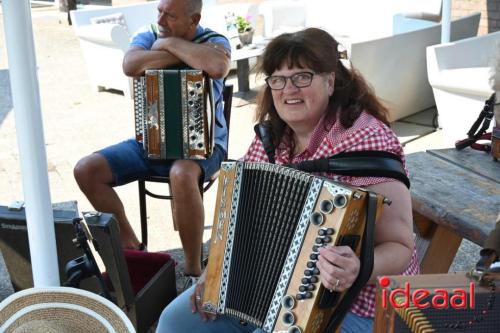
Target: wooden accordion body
172	118
269	222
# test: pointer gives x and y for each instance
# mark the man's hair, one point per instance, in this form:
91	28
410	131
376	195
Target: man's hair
194	6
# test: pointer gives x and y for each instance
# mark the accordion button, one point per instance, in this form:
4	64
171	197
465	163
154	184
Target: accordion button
305	280
294	329
307	272
308	294
321	232
315	271
288	302
313	256
300	297
330	231
319	240
310	287
288	318
340	201
316	218
326	206
314	279
327	239
315	248
302	288
310	264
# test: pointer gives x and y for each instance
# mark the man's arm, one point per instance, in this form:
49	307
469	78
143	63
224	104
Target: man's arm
137	60
209	57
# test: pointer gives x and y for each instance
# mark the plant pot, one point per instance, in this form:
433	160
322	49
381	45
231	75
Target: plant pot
246	37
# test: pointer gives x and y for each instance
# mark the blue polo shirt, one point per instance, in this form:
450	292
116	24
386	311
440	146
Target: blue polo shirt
145	38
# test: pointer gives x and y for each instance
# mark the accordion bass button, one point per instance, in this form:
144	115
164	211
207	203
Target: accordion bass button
288	318
317	218
340	201
314	279
313	256
294	329
288	302
326	206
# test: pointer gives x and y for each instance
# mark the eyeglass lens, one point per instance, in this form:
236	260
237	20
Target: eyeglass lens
299	80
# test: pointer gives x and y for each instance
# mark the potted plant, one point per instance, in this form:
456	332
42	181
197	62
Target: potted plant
245	30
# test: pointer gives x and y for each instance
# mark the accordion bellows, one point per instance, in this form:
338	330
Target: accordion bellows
269	222
171	114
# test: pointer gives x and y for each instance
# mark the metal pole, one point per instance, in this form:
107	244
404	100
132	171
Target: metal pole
446	22
31	143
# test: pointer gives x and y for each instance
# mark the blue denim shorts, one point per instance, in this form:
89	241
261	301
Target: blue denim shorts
128	162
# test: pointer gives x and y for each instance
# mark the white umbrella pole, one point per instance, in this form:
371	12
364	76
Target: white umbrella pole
446	22
31	143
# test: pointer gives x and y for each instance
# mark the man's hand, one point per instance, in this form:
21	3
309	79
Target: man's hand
160	45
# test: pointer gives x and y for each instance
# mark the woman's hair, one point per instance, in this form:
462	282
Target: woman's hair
317	50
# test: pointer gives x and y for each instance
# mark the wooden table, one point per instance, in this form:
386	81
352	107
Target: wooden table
455	195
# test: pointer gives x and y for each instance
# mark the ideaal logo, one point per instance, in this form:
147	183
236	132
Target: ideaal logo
458	298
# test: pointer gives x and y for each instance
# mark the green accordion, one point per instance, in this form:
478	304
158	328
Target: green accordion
172	117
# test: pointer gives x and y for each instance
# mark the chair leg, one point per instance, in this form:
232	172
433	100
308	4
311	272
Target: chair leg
143	211
172	208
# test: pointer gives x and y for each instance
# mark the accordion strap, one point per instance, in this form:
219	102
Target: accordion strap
475	133
205	36
370	163
366	259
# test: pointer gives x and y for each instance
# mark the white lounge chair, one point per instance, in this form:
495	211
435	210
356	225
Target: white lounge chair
459	73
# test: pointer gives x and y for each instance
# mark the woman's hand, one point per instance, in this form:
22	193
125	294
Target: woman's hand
338	267
196	299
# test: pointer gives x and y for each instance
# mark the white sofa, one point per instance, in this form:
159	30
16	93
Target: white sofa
459	73
385	40
104	45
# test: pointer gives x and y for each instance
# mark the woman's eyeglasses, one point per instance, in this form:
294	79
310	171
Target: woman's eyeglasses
299	80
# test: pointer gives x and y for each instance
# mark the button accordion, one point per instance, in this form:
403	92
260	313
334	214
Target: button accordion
269	223
172	118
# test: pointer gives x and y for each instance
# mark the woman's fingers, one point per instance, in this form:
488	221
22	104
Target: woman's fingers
338	266
196	303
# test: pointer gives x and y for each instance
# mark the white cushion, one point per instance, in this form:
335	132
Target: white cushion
472	80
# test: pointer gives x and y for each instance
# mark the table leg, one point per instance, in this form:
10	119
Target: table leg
243	72
442	248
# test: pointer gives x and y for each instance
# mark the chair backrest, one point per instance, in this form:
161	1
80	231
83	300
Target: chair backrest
227	97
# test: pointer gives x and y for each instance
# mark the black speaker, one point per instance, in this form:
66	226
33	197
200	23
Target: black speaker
15	247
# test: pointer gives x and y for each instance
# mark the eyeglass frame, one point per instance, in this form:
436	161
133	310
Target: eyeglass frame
291	80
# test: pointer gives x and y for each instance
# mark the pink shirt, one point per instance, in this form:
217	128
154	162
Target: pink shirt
330	138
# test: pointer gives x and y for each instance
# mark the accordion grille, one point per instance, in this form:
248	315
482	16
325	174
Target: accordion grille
268	212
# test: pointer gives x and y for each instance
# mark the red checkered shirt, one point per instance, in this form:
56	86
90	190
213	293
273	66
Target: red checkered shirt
330	138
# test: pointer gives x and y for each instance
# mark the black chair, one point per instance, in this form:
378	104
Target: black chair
227	95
